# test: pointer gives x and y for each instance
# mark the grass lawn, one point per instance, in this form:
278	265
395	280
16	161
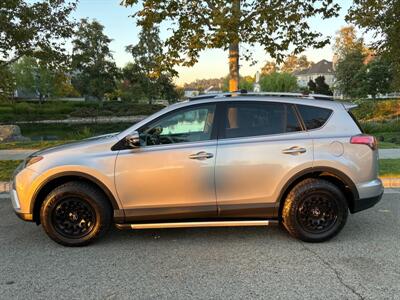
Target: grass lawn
62	133
52	110
390	139
7	167
389	167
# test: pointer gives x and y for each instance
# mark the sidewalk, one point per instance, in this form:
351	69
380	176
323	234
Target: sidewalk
389	153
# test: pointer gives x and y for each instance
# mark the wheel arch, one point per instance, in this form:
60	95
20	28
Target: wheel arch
341	180
60	178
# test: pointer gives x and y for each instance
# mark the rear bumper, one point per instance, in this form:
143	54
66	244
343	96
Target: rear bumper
362	204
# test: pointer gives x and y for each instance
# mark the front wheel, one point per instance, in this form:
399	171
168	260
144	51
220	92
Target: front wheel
75	214
315	210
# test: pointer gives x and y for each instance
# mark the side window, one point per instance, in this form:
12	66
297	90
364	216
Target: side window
186	125
314	117
259	118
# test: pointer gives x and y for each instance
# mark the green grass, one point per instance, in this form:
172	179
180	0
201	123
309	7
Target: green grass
70	131
56	110
7	168
389	167
62	133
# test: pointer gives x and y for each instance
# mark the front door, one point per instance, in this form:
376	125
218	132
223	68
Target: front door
171	175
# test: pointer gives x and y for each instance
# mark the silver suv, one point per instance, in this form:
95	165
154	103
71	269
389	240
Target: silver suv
220	160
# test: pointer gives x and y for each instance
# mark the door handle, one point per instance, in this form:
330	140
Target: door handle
294	150
201	155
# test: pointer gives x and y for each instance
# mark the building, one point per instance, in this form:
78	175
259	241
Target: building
321	68
190	93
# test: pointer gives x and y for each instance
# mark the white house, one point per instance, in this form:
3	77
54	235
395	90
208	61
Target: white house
321	68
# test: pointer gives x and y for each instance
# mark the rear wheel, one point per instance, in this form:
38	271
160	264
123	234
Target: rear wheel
315	210
75	214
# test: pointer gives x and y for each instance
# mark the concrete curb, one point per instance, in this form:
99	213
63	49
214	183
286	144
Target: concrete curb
4	187
391	182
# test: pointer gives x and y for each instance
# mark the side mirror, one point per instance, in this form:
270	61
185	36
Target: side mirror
132	140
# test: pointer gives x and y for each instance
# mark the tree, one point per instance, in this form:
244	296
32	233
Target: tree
245	83
293	63
278	82
93	67
348	73
346	40
381	17
134	84
35	29
7	84
154	78
377	77
321	87
199	25
269	68
33	76
312	86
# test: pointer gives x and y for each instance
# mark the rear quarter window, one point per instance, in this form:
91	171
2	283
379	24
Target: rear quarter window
314	117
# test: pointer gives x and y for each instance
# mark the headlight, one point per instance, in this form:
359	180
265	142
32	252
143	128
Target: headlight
31	160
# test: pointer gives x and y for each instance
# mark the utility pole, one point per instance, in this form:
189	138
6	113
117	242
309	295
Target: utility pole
234	48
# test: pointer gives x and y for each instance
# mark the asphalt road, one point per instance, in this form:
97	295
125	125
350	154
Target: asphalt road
363	262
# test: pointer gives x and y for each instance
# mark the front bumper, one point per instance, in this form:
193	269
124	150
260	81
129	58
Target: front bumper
17	207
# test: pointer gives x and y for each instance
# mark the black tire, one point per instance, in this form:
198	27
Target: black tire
75	214
315	210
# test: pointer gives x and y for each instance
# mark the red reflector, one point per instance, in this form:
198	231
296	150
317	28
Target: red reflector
368	140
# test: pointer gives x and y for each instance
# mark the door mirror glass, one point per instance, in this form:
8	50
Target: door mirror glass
132	140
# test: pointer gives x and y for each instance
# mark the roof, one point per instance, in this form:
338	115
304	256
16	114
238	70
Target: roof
321	67
261	94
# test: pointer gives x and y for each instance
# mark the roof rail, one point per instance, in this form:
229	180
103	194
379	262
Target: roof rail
265	94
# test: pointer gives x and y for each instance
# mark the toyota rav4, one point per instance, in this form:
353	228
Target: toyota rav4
220	160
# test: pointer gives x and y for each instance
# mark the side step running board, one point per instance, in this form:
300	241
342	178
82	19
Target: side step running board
198	224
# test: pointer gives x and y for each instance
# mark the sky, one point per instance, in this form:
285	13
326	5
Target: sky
212	63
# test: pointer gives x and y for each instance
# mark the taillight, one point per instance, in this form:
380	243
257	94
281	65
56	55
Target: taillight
363	139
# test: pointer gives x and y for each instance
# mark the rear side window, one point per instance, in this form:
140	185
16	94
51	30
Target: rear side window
244	119
314	117
356	121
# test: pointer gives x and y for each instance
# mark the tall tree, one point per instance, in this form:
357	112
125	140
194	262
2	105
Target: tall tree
7	84
34	28
348	73
155	77
381	17
198	25
346	40
376	77
269	67
93	67
294	63
36	77
278	82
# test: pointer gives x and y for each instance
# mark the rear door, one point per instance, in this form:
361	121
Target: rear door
261	145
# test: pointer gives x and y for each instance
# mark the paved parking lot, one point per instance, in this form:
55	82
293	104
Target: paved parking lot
363	262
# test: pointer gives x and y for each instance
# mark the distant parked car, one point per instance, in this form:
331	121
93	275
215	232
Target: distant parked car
217	160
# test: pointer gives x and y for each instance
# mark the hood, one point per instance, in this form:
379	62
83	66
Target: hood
92	141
